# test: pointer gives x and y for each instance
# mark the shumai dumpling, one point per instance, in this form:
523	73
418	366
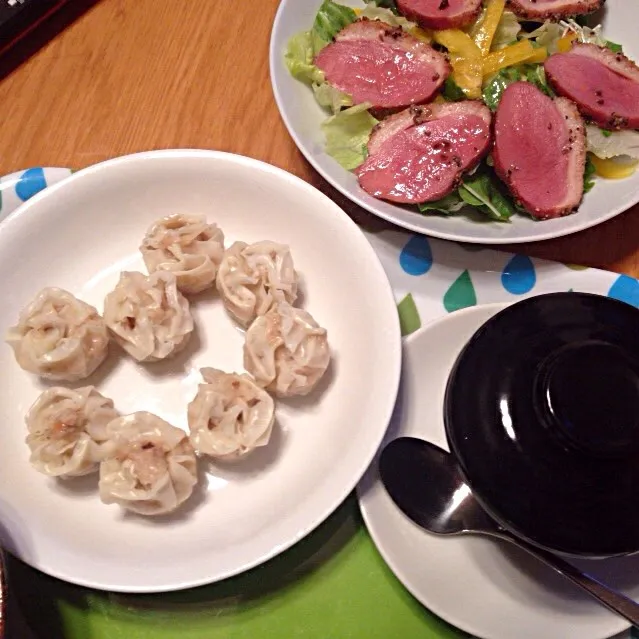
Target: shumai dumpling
230	415
186	245
148	316
59	337
153	468
67	431
286	351
252	277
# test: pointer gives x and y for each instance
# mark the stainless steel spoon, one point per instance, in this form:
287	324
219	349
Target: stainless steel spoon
427	485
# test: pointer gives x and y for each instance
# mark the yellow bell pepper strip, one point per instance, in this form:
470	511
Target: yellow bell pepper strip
421	34
465	57
457	42
467	74
614	169
514	54
539	56
483	31
564	43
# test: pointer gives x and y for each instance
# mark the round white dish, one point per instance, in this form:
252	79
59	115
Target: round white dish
79	234
302	117
485	587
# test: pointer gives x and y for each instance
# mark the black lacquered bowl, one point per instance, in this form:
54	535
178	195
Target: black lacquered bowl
542	413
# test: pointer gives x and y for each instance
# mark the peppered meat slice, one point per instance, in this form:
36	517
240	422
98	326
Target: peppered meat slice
604	85
441	14
420	154
374	62
553	9
540	150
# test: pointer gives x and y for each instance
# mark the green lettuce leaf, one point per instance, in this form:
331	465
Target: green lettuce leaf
299	61
448	205
451	91
536	75
589	175
482	191
495	86
298	58
375	12
547	35
347	135
614	47
330	20
507	31
331	98
385	4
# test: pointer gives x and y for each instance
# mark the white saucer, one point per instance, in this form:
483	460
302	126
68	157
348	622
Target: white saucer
487	588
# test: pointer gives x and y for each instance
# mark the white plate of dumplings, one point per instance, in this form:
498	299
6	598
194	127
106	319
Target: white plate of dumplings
202	355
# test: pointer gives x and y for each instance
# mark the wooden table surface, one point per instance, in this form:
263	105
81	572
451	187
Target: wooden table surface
132	75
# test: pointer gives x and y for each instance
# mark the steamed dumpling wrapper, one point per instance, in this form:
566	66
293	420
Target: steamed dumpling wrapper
148	316
59	337
186	245
253	277
67	431
153	468
230	415
286	351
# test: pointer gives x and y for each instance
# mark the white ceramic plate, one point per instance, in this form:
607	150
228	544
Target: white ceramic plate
487	588
79	234
303	116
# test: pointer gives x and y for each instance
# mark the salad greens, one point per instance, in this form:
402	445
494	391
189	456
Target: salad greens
495	86
451	91
347	135
373	12
331	18
303	47
614	47
507	31
482	191
384	4
589	175
347	128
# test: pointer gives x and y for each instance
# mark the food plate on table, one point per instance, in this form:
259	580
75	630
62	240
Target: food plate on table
420	154
482	586
210	502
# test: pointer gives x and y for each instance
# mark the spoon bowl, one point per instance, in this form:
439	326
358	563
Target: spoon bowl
430	489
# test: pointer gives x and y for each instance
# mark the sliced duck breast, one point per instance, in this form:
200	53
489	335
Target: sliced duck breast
540	150
553	9
374	62
419	155
441	14
604	85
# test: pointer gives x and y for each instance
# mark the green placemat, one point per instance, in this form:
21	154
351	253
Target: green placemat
332	585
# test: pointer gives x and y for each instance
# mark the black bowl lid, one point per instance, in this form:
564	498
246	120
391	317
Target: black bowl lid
542	412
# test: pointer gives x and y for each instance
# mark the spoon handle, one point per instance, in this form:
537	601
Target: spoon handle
610	598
